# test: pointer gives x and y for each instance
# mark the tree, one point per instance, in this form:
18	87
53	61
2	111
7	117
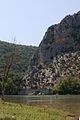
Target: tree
9	82
8	62
67	85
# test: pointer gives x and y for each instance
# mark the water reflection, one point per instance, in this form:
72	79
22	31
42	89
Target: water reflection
69	103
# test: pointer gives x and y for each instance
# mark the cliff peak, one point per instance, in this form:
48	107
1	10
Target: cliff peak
58	53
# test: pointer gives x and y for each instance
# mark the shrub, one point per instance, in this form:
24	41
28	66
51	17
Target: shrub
67	85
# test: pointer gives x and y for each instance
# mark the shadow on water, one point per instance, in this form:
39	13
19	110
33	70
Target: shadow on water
68	103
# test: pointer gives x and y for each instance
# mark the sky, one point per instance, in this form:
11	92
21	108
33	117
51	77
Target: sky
26	21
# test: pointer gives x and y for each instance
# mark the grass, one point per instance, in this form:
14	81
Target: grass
13	111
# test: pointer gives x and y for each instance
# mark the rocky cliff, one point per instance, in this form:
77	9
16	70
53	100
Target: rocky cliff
58	54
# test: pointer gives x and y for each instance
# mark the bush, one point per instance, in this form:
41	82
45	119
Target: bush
67	85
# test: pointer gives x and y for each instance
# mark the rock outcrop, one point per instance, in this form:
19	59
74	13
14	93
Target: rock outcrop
58	54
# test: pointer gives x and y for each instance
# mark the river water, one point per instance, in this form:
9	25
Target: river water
68	103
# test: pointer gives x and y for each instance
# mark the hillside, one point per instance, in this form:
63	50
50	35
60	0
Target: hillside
22	58
14	60
58	54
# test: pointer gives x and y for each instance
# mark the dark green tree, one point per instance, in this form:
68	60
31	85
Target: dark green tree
67	85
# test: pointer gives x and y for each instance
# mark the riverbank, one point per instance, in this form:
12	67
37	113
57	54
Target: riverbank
13	111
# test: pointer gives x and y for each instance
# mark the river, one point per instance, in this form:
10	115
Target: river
68	103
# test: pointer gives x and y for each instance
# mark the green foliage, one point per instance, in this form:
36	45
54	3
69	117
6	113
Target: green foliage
11	79
0	86
12	86
23	56
67	85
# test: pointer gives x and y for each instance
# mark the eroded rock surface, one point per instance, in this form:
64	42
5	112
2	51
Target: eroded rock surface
58	54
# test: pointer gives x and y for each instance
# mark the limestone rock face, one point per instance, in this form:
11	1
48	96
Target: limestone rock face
58	53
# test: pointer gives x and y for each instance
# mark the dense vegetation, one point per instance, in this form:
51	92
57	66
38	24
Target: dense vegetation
23	55
11	111
67	85
11	76
14	60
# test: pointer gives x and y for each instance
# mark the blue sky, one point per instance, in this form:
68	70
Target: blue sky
28	20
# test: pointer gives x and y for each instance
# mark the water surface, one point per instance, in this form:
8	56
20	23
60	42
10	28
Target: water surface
68	103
